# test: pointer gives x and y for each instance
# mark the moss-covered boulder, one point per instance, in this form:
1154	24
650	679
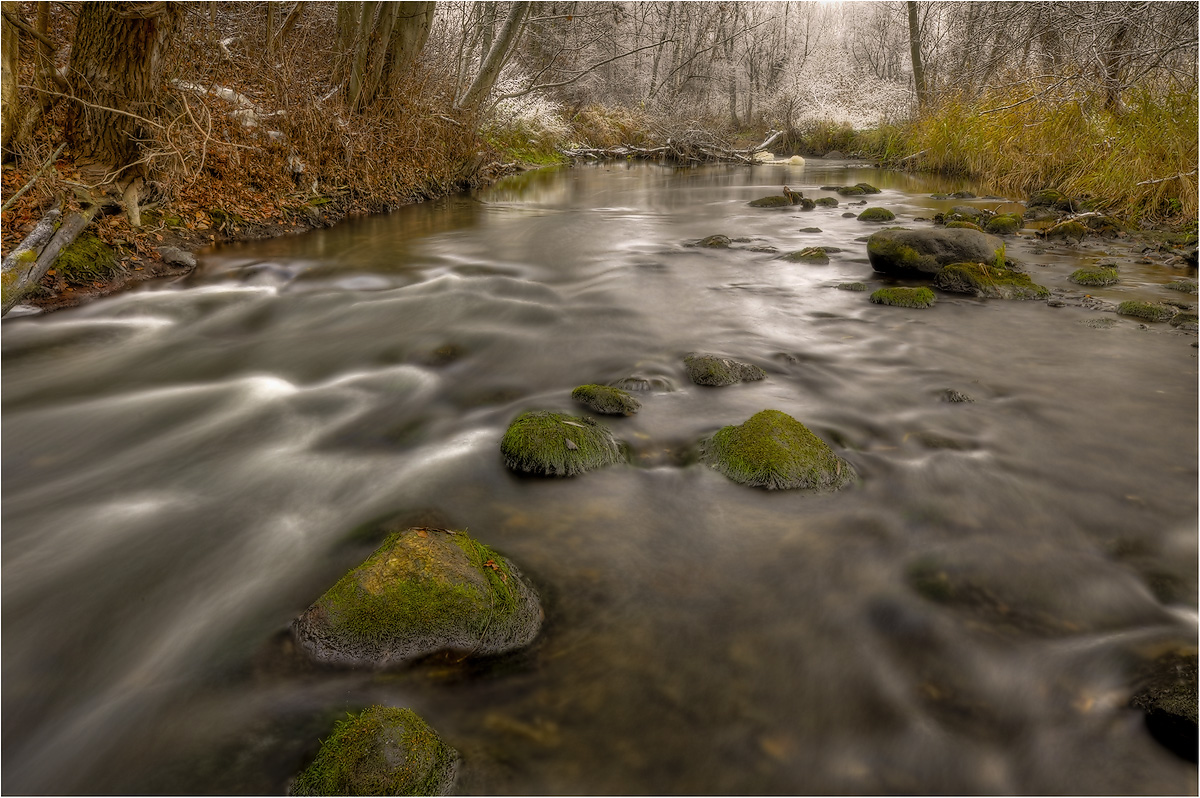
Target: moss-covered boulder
1095	278
606	399
826	202
776	201
957	225
557	445
852	286
1049	198
714	370
923	253
963	195
1146	310
904	297
1069	230
380	751
1183	286
876	215
1004	224
1166	693
422	591
1187	320
850	191
808	255
984	280
806	204
867	188
775	451
713	242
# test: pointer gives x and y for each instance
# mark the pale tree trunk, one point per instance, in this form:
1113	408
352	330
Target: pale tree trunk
914	49
496	57
114	72
381	41
10	104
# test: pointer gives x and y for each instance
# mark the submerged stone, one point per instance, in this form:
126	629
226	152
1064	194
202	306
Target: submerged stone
850	191
1187	320
1183	286
982	280
422	591
1099	277
826	202
852	286
963	195
1146	310
876	215
717	241
557	445
904	297
606	399
967	225
380	751
955	397
808	255
775	451
718	371
923	253
770	202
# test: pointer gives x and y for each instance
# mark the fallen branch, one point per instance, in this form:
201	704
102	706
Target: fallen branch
33	179
23	274
1165	179
774	134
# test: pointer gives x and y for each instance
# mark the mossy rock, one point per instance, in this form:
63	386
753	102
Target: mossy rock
1187	320
806	204
876	215
771	202
775	451
1095	278
1049	198
1146	310
1067	230
966	213
923	253
1004	224
830	188
558	445
86	261
811	230
850	191
983	280
962	195
939	196
956	397
852	286
1166	693
958	225
868	188
606	399
422	591
717	371
904	297
380	751
713	242
826	202
1183	286
808	255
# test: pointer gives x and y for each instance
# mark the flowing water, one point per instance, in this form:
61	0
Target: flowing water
188	466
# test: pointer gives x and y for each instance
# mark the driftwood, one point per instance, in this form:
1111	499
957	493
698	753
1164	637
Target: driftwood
693	146
24	268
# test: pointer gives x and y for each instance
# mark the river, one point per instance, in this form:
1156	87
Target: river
186	467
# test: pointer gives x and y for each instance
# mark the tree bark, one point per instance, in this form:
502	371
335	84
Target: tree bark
914	49
496	57
114	73
24	268
10	103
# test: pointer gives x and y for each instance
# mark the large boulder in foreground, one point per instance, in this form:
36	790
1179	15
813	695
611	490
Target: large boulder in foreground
923	253
558	445
421	592
772	450
380	751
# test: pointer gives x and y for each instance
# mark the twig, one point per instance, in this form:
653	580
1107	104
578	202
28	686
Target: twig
1165	179
25	26
33	179
93	105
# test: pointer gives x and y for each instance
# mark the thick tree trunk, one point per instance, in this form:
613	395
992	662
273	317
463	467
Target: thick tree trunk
496	57
115	70
380	41
914	49
10	105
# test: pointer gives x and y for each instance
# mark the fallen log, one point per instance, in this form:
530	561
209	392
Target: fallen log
23	270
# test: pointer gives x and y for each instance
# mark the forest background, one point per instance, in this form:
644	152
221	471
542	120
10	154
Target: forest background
138	127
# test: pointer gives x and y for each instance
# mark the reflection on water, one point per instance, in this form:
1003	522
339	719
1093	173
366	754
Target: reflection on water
187	467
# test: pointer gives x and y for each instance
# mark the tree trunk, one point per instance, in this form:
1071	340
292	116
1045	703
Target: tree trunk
914	48
10	103
114	72
496	57
1114	59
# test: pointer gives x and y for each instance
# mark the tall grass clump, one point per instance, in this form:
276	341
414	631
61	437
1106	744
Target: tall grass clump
1138	163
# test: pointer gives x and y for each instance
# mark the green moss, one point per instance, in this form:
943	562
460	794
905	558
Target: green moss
867	188
8	281
1066	230
557	445
775	451
1146	310
1187	320
904	297
718	371
1094	277
808	255
905	258
770	202
876	215
1183	286
1049	198
849	191
852	286
984	280
967	225
87	260
380	751
606	399
826	202
1004	224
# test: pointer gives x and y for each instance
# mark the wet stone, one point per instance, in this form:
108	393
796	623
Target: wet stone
606	399
717	371
558	445
772	450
